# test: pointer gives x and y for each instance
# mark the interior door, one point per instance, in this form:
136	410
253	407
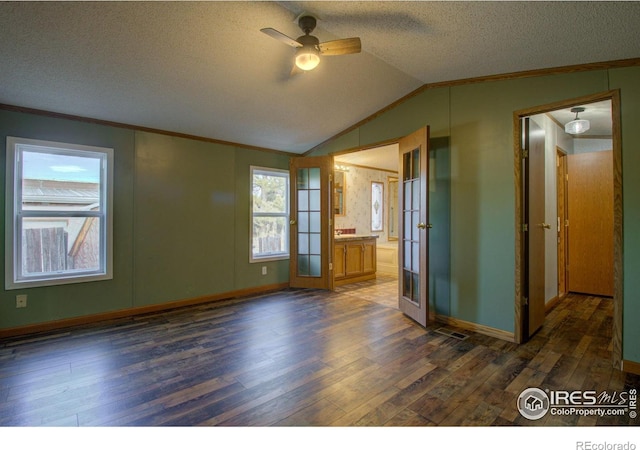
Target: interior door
561	225
534	210
413	248
311	223
590	193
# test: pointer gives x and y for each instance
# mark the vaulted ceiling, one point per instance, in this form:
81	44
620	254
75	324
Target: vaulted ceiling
205	69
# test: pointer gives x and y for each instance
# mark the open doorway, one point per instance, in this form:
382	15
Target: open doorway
557	246
360	167
358	172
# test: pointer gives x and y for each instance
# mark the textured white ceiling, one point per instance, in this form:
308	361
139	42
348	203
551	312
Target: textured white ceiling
384	157
205	69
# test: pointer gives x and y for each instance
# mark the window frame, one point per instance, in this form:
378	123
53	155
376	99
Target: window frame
14	278
252	214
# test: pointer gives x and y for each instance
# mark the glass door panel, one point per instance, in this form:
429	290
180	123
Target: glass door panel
308	194
413	280
311	234
411	237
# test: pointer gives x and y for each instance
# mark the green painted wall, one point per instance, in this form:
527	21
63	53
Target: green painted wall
60	302
181	221
628	81
184	224
478	119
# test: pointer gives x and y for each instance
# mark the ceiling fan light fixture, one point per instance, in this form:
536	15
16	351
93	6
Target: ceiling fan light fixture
309	48
307	58
577	126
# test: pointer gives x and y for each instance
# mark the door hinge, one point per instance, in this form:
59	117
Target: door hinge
330	266
525	153
525	301
525	227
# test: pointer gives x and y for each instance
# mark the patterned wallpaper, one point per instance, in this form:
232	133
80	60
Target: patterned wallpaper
358	201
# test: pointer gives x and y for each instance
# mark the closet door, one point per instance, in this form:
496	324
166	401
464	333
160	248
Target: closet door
534	216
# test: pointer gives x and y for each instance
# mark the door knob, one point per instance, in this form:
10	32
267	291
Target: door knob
421	225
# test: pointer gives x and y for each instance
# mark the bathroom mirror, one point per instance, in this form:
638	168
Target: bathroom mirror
392	213
339	192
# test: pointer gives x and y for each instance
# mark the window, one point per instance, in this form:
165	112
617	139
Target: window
269	214
58	213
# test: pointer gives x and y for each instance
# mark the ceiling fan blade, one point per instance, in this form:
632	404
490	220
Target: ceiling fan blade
340	47
281	37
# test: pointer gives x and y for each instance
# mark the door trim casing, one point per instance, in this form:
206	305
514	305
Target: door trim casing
614	96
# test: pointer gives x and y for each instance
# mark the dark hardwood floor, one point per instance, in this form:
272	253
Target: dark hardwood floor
344	358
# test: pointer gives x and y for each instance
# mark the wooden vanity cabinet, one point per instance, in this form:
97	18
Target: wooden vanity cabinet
339	263
354	260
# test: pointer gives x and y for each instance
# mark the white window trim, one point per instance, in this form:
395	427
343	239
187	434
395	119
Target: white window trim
270	257
12	194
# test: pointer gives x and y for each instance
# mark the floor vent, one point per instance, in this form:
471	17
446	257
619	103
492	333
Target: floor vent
451	333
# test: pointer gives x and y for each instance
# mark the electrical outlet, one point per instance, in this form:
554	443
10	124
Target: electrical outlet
21	301
264	270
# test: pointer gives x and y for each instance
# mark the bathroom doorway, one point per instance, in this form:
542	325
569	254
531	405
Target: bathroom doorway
357	170
385	159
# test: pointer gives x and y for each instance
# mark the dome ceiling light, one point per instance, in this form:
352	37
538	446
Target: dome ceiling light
577	126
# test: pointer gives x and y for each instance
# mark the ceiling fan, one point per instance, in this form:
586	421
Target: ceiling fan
309	48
